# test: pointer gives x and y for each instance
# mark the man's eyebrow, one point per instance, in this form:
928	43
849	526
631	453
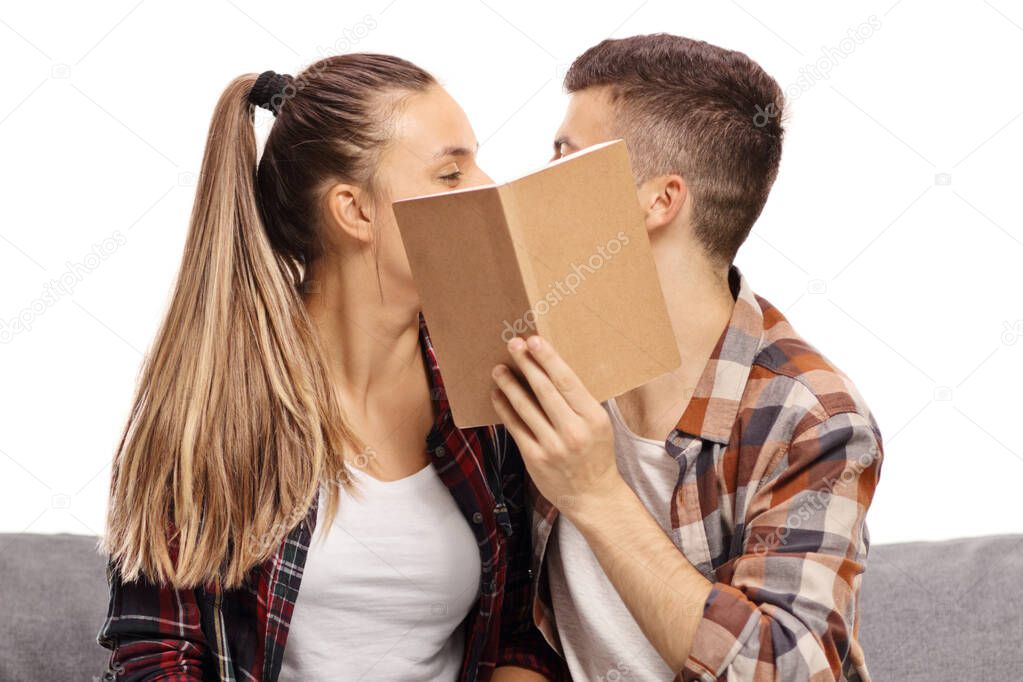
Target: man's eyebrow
456	151
563	140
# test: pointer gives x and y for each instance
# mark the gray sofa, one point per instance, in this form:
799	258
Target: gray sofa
931	611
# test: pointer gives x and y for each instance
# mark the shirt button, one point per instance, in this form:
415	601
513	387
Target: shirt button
477	518
438	451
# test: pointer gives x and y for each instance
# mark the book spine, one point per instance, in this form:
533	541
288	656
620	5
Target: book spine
529	319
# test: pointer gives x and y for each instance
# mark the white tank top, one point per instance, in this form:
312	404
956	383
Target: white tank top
602	642
383	596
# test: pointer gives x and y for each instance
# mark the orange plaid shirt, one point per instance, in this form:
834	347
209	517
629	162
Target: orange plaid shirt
778	461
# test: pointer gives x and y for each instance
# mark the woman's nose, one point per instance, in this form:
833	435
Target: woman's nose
481	178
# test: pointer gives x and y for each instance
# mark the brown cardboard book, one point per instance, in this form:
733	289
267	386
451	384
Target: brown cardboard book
562	252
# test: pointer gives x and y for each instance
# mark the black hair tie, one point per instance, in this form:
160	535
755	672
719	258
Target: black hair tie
268	90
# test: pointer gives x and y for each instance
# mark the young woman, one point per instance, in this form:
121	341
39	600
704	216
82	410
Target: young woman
292	391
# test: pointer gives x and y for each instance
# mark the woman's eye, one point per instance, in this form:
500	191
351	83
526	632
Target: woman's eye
452	177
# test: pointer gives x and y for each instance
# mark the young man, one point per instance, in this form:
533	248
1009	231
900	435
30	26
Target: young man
708	525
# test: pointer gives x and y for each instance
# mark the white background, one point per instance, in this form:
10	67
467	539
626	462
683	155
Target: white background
892	239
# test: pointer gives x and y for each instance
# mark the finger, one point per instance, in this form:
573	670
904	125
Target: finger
524	438
524	405
561	375
547	394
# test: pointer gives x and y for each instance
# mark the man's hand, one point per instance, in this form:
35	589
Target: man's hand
567	444
563	433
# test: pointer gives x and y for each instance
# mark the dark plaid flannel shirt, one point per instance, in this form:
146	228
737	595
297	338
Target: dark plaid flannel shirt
158	633
778	461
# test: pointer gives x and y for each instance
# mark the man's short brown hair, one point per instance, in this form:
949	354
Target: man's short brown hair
690	108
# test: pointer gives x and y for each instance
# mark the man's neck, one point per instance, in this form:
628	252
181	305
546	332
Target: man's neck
700	304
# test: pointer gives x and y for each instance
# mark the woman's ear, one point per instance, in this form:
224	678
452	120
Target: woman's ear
351	211
662	200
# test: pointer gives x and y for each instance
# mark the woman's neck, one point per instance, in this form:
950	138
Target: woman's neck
369	344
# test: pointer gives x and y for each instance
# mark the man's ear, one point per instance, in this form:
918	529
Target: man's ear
662	200
351	210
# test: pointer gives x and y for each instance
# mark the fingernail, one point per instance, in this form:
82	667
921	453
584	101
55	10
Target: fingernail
516	344
534	342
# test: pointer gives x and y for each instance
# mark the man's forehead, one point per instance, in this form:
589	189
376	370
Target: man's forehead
590	112
598	98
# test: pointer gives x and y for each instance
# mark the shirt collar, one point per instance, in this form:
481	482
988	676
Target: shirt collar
445	435
714	406
437	393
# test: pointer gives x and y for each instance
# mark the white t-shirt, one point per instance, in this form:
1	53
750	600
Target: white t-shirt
601	640
383	597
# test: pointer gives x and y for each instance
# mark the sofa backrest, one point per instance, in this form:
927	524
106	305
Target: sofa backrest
53	599
930	611
949	610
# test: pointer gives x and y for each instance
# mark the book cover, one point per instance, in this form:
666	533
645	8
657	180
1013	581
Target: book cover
562	252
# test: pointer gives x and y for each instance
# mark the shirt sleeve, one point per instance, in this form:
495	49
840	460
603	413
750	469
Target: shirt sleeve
153	632
522	645
785	609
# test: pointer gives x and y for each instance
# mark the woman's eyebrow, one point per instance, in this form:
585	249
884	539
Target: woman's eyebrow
456	151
